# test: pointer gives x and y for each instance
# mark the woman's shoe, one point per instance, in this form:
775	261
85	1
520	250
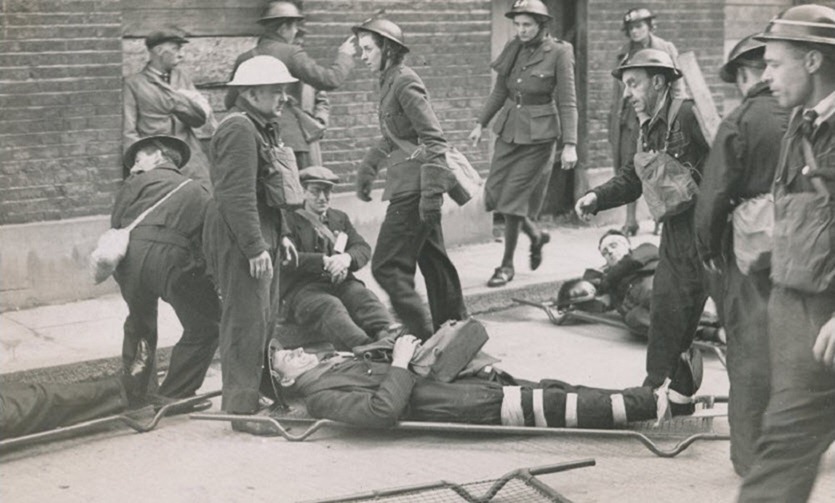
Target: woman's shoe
630	229
501	276
536	249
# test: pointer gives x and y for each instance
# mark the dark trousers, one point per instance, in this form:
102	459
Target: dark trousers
799	423
245	312
405	242
30	408
679	292
346	315
746	324
153	271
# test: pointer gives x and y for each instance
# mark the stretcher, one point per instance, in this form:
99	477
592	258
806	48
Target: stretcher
300	426
563	314
518	486
131	419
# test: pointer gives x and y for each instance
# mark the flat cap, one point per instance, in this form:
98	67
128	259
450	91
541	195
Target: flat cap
318	174
169	34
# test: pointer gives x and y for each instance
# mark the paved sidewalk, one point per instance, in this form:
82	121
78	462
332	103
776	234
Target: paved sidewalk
79	340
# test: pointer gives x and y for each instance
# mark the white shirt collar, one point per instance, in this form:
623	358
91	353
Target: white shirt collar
825	109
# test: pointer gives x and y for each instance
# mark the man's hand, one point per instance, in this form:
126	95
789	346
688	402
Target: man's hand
429	209
364	187
261	266
568	159
475	135
586	205
824	348
337	264
349	47
404	349
288	252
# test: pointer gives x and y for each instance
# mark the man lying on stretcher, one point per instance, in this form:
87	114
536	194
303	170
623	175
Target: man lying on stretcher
352	389
625	285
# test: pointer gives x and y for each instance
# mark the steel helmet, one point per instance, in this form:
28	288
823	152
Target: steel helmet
803	23
279	10
261	71
635	15
575	292
530	7
746	49
384	28
649	58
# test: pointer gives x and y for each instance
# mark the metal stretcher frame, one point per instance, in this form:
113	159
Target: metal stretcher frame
278	424
93	424
562	315
526	475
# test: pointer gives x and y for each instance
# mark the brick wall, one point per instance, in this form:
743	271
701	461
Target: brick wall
60	95
695	25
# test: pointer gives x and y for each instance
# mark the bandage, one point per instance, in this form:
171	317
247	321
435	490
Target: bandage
512	413
618	410
539	409
571	410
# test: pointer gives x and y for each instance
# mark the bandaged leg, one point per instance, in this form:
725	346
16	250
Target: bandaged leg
559	405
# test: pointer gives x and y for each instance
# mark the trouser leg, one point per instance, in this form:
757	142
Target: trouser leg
364	307
194	299
746	326
443	287
30	408
141	322
395	260
798	425
678	298
324	314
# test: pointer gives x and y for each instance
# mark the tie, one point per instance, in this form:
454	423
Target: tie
807	126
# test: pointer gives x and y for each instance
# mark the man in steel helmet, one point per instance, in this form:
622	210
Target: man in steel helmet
680	283
799	422
281	23
741	168
242	232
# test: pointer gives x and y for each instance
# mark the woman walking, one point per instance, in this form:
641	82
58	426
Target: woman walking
411	233
537	106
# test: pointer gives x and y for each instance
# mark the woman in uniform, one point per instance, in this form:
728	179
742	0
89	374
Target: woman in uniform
411	233
536	104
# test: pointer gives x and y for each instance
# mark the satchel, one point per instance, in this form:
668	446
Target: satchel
668	185
113	244
444	355
804	228
467	179
753	228
282	186
312	130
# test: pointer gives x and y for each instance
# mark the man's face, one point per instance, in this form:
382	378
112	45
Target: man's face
370	53
638	31
317	197
289	30
146	159
268	100
614	248
641	90
526	27
291	363
786	74
170	54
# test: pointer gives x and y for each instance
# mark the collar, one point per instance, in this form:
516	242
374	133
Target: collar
825	109
757	89
389	72
661	109
256	117
536	41
273	36
165	165
157	73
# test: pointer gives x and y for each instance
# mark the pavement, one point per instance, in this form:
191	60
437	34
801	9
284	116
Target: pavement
82	340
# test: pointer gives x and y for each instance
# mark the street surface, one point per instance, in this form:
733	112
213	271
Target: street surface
186	460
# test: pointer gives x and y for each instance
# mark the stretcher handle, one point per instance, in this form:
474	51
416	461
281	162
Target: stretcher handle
561	467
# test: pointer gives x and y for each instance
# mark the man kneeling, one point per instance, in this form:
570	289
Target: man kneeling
365	393
320	293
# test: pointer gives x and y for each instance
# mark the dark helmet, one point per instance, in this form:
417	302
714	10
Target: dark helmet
575	292
747	49
162	142
530	7
281	10
803	23
383	27
635	15
649	58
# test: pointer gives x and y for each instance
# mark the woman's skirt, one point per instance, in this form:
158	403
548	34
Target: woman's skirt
519	177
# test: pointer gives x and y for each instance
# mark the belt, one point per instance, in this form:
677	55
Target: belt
531	99
158	234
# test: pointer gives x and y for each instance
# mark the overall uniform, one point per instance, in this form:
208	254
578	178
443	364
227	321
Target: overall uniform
374	394
154	106
741	166
680	285
405	241
304	68
239	226
164	260
799	422
535	99
629	283
346	314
